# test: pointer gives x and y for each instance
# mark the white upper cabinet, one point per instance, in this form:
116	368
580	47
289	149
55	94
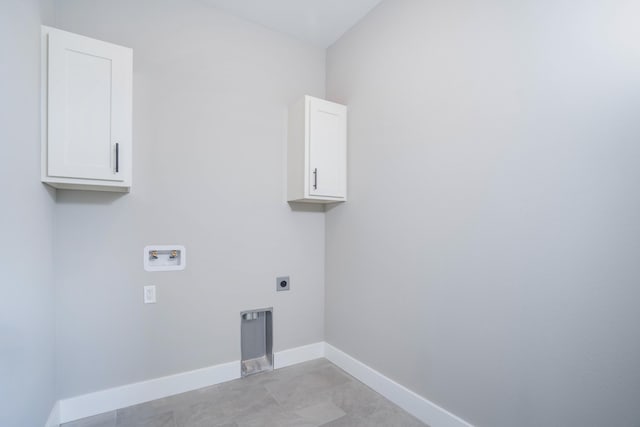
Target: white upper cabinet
87	93
317	151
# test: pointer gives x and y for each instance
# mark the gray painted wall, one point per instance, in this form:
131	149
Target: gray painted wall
210	97
26	220
488	257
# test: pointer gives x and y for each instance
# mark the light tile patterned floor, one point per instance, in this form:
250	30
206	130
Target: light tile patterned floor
311	394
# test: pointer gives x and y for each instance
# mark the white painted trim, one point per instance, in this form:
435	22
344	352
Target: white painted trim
298	355
90	404
99	402
111	399
54	416
416	405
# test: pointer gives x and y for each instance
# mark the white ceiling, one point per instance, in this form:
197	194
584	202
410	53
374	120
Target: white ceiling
320	22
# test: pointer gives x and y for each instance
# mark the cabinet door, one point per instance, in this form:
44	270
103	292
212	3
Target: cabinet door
327	149
89	108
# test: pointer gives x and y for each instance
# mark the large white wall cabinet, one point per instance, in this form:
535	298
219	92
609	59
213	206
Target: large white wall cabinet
317	152
86	111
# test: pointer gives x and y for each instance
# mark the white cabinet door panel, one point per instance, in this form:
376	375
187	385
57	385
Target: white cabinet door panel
327	149
89	107
317	151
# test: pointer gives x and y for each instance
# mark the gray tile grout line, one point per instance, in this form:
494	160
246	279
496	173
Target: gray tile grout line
330	389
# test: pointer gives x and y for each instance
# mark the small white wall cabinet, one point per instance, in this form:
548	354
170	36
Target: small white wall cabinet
86	112
317	152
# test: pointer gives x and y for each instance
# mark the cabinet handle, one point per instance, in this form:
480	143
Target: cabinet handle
117	157
315	179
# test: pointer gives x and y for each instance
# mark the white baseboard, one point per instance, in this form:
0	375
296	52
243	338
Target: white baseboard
87	405
103	401
416	405
54	416
297	355
99	402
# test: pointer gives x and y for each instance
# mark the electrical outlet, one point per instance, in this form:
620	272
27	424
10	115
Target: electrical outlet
150	294
282	283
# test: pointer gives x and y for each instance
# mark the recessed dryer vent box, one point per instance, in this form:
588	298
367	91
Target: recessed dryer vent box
165	258
256	332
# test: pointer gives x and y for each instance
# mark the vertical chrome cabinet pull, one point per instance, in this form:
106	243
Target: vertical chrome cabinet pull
117	157
315	179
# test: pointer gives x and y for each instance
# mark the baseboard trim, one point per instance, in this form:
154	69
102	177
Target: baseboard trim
293	356
416	405
54	416
75	408
103	401
99	402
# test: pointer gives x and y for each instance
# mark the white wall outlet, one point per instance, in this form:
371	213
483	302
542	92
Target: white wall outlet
150	294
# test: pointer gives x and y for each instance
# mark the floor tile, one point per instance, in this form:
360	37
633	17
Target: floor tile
386	417
103	420
303	390
165	419
310	394
356	398
202	414
144	410
265	416
321	413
